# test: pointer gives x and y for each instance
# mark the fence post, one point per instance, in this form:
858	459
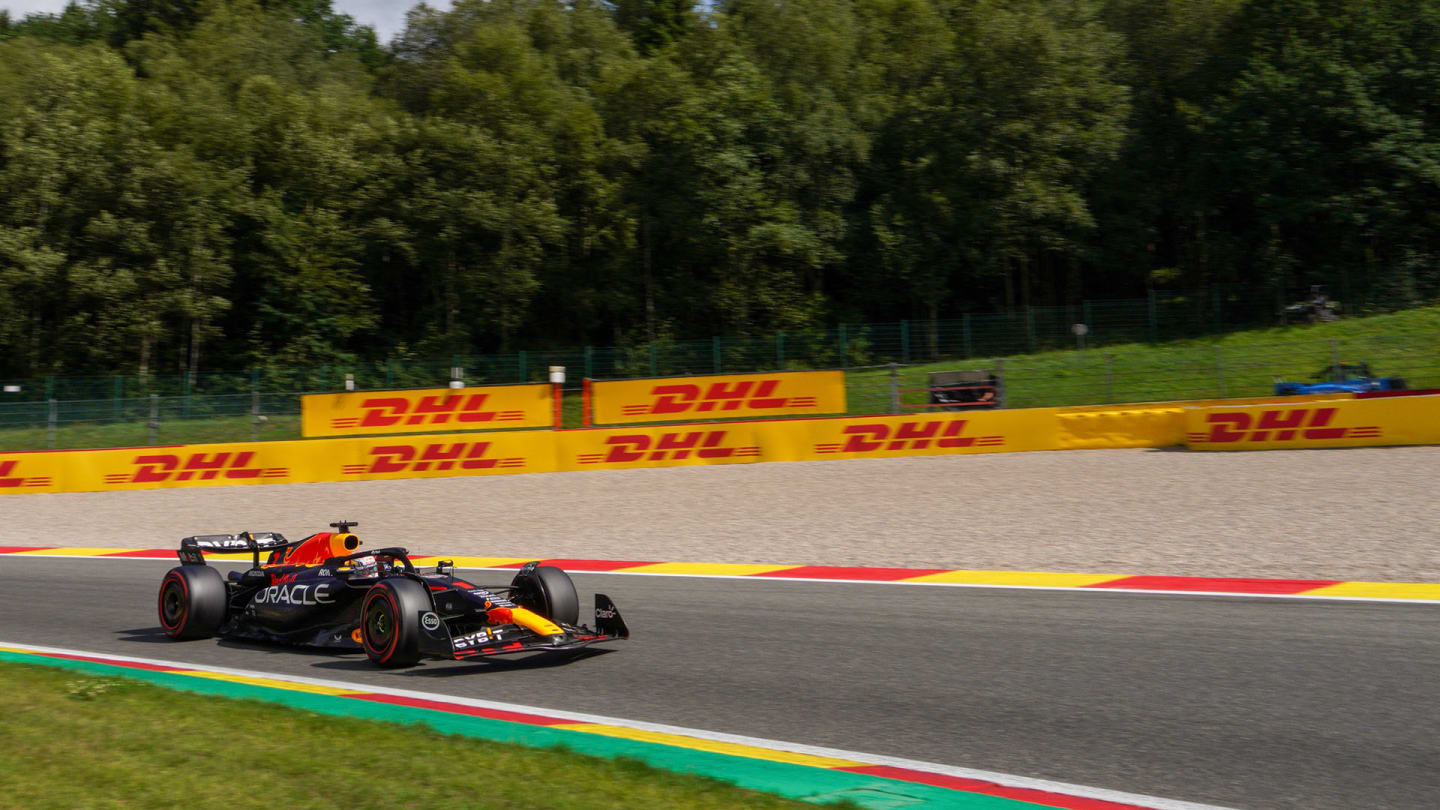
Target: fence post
49	387
905	341
589	362
586	403
1109	378
654	361
154	423
965	328
780	350
255	419
1220	371
53	423
894	388
844	347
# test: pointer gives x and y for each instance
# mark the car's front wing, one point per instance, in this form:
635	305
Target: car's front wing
514	639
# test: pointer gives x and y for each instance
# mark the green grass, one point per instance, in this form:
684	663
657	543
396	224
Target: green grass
1240	364
136	434
76	741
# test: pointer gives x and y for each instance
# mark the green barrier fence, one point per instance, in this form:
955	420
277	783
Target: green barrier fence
132	417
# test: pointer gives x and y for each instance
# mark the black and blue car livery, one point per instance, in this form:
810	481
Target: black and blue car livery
324	591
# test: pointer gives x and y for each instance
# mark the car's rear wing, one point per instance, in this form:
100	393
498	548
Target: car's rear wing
192	549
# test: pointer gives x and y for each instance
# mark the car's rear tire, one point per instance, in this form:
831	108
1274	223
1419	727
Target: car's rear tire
548	591
390	621
192	602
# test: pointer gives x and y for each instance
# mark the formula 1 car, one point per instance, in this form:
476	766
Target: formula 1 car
322	591
1341	378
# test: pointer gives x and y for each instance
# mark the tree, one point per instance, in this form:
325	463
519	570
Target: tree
112	240
1322	150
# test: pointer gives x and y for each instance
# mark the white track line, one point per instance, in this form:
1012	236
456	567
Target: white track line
752	578
1008	780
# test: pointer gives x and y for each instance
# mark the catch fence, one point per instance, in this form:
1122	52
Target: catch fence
876	382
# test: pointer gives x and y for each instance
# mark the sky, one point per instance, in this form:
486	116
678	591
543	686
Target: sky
387	16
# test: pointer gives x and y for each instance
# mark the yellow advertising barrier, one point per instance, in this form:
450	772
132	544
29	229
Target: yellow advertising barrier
31	472
1291	423
361	459
427	410
441	456
196	465
678	399
1144	424
1120	426
1325	423
806	439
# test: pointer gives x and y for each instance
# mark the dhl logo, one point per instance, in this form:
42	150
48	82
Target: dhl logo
422	458
380	412
199	466
668	446
1286	425
907	436
753	395
8	480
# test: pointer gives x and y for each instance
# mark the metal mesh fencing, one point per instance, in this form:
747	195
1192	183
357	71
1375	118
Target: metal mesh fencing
887	367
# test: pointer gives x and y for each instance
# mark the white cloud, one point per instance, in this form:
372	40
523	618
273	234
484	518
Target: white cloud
387	16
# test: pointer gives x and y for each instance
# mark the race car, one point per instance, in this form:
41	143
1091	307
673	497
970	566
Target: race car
324	592
1341	378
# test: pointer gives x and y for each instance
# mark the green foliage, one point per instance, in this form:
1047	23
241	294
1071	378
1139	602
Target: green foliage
190	184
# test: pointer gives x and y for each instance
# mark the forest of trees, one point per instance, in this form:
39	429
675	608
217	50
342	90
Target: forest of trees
202	184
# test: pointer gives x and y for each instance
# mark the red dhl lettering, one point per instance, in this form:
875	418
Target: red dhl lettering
907	436
157	468
7	480
400	458
667	447
1281	425
382	412
752	395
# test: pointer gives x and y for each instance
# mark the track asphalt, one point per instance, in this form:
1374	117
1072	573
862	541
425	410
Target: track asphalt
1237	701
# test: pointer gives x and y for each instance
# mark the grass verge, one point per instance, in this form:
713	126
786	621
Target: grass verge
1240	364
77	741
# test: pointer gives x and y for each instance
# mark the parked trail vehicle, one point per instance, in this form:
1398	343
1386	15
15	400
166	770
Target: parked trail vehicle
1341	378
323	592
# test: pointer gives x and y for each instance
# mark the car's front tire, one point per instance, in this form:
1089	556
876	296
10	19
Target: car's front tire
390	621
548	591
192	602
